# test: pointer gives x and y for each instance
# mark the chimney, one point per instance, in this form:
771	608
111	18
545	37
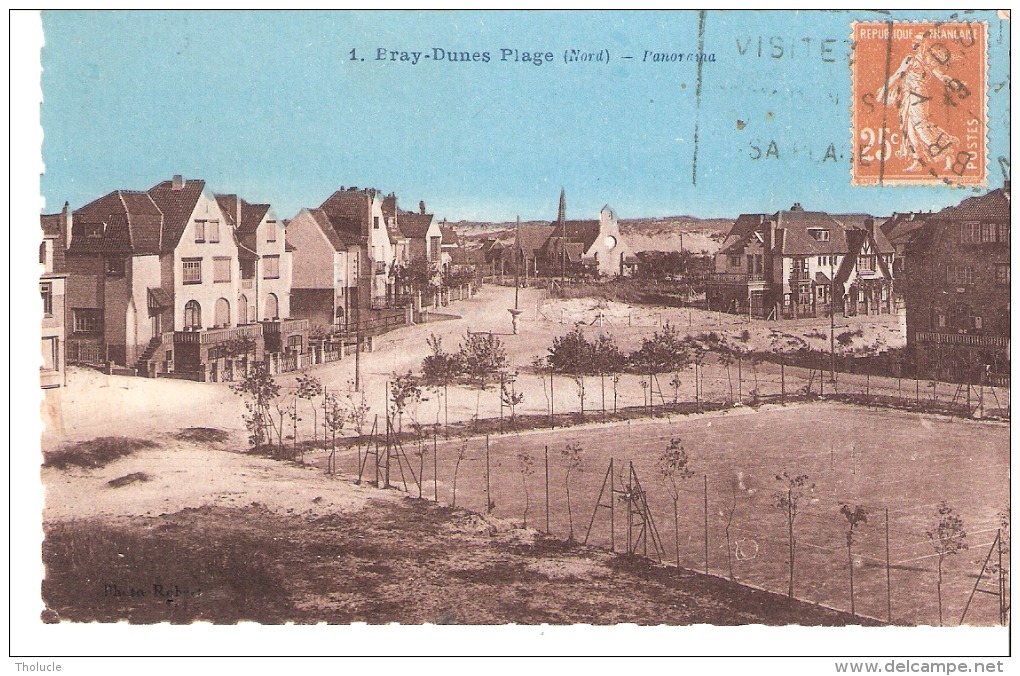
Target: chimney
869	225
1005	186
178	182
796	207
66	222
421	207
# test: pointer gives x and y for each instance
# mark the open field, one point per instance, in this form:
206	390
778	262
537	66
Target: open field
210	534
906	463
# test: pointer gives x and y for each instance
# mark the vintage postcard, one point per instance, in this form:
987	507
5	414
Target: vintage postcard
672	319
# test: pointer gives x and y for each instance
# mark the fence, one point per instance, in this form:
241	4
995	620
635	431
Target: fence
728	519
85	352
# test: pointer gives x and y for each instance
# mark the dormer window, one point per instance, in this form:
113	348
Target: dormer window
819	234
270	231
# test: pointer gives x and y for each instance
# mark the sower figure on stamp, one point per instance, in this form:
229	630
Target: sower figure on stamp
919	78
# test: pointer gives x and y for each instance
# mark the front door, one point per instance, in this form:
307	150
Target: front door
157	325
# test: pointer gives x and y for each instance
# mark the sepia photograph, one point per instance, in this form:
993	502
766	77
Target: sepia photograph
688	326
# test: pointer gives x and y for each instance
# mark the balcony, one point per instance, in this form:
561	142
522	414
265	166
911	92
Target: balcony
247	283
211	336
1000	342
757	278
379	267
285	326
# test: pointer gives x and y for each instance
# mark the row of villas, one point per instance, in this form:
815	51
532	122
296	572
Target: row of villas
178	281
797	263
951	271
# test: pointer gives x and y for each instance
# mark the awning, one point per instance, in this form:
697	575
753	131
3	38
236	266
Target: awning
159	299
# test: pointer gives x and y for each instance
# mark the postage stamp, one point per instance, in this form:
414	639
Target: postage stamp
919	103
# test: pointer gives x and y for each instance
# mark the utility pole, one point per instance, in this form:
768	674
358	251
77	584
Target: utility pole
832	309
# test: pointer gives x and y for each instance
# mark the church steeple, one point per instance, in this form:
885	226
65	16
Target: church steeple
562	216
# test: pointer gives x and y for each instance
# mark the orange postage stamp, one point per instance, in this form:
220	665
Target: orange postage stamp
919	114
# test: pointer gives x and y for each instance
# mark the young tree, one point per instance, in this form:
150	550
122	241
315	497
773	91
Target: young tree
509	396
696	354
855	516
573	461
665	352
358	410
334	417
263	391
674	468
541	366
309	388
947	537
405	393
573	355
243	347
439	370
526	468
793	490
609	360
482	357
461	455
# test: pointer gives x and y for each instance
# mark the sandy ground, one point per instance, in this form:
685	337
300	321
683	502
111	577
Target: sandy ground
94	404
187	475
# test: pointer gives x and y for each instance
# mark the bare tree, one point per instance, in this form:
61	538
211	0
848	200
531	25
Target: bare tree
334	417
309	388
461	455
947	537
573	461
855	516
509	396
358	411
526	468
794	488
674	468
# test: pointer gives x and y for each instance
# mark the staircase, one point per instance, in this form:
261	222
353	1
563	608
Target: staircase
142	365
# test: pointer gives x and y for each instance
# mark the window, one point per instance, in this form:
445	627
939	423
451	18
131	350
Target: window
192	315
987	233
192	271
866	263
734	261
272	306
242	309
221	268
1002	274
222	313
270	231
87	320
115	266
294	343
42	252
800	266
271	267
1004	233
819	234
50	354
959	274
970	233
214	231
199	231
375	222
46	291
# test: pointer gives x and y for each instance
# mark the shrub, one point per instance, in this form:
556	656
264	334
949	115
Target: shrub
95	452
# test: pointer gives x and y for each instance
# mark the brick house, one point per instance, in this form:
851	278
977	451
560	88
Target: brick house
793	263
957	290
55	229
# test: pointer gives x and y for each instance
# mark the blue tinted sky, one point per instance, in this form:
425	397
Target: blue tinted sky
271	106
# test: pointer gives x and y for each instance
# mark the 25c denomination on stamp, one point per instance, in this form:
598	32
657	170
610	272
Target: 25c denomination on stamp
919	114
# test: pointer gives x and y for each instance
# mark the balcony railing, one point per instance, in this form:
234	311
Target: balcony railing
247	283
379	267
285	326
217	335
962	339
736	277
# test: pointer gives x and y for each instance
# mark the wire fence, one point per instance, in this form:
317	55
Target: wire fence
730	522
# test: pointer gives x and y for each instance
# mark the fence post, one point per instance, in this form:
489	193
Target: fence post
435	462
552	400
547	489
488	495
706	524
888	572
782	382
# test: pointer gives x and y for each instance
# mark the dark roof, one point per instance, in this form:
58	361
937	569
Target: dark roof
901	228
582	232
992	206
350	211
177	207
449	235
337	239
415	226
251	215
856	239
118	222
531	238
